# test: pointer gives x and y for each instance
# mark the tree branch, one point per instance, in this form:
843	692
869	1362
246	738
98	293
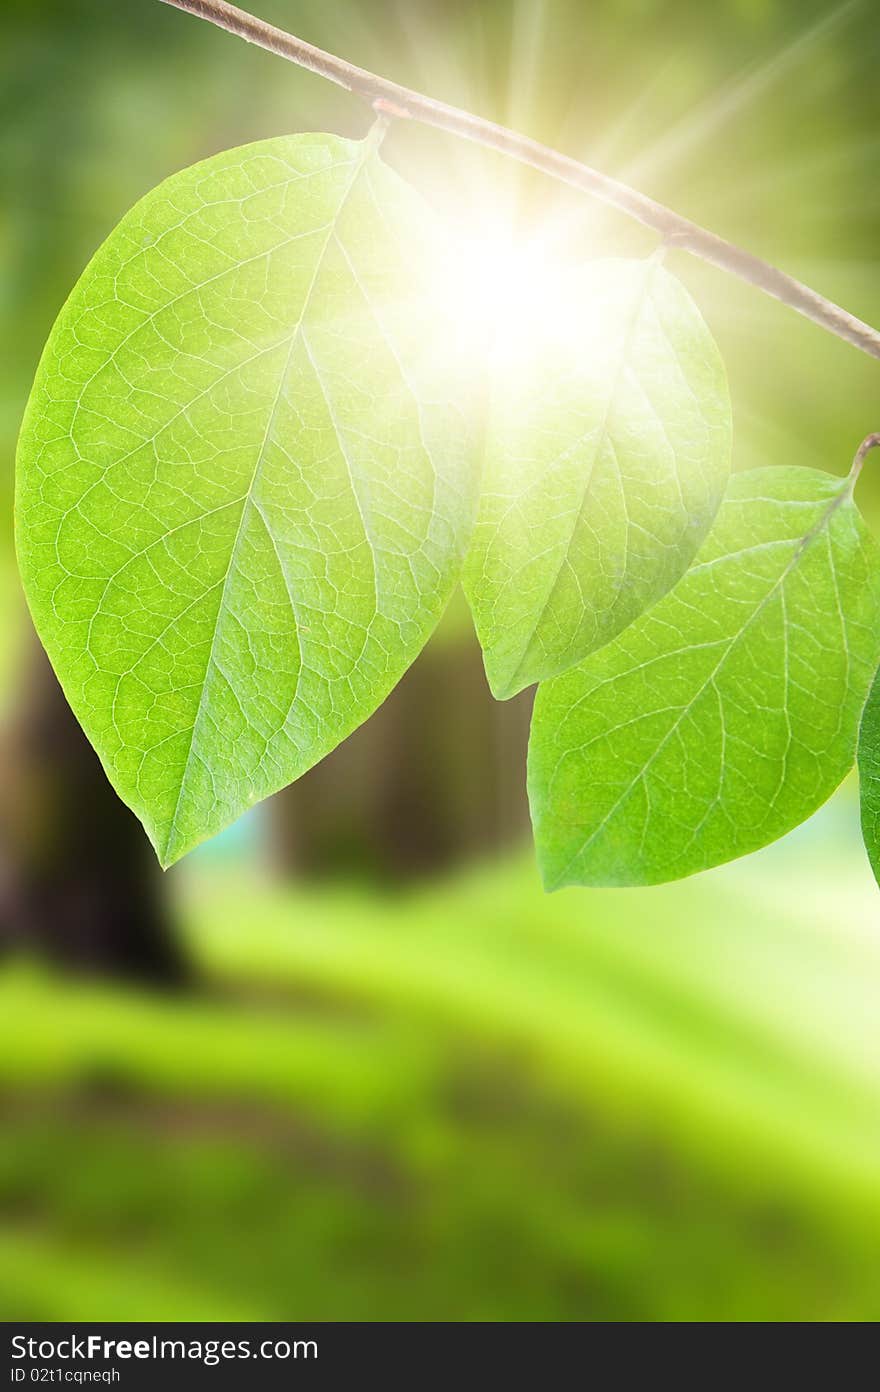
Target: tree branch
678	231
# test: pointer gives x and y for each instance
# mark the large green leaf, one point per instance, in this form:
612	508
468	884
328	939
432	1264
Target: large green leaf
726	714
244	481
607	456
869	775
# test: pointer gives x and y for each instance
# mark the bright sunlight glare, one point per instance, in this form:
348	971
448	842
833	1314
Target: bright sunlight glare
506	293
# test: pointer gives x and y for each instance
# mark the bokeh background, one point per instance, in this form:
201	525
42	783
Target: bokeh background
348	1061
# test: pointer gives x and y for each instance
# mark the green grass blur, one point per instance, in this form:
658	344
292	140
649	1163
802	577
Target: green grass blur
469	1102
466	1099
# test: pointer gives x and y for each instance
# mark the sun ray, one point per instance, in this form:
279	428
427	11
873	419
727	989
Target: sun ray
739	92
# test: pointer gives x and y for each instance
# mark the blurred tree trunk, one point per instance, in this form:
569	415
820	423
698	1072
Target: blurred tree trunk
80	885
434	779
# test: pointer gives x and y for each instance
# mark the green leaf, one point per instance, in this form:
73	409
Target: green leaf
726	714
869	775
245	482
607	457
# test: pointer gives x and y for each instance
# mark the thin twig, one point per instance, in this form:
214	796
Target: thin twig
870	442
679	231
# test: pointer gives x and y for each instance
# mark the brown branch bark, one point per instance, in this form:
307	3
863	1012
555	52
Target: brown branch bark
396	100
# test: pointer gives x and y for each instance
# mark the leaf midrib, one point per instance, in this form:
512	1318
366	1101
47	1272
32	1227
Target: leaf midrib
602	434
357	168
819	527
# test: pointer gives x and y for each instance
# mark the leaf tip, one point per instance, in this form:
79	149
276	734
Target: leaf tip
553	877
503	690
505	679
169	848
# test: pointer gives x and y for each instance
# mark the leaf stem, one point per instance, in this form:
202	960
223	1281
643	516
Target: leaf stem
392	99
870	442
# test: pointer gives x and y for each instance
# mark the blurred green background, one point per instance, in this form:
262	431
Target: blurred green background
348	1061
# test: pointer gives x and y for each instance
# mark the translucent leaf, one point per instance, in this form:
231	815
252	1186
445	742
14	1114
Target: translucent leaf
244	480
607	456
869	776
730	711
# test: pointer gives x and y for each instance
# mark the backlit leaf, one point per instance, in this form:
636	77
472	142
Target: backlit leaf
869	775
244	480
730	711
607	456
